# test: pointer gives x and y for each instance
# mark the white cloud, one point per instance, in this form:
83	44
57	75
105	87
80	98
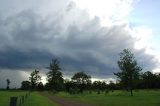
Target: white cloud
115	9
108	11
143	36
144	40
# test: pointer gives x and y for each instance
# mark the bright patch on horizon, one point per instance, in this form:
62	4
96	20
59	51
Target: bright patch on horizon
156	70
43	79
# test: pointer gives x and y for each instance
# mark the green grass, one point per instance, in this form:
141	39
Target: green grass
118	98
34	99
5	96
37	100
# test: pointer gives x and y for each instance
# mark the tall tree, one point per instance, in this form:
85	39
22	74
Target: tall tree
129	70
81	79
54	76
8	83
34	78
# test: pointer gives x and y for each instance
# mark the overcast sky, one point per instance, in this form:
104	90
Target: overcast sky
83	34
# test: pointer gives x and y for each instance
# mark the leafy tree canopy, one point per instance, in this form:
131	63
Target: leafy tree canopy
129	69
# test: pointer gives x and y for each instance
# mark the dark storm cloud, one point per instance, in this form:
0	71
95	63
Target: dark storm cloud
29	40
16	59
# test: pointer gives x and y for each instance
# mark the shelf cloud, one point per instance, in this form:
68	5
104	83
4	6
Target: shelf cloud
29	39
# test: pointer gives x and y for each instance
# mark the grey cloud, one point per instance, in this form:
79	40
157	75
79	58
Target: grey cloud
9	7
14	76
16	59
29	40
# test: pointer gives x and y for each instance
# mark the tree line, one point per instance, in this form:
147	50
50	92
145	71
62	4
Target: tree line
129	78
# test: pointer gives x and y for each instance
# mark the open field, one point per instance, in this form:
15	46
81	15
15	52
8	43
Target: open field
118	98
34	99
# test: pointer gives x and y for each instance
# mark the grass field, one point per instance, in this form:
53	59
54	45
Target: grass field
5	96
37	100
118	98
34	99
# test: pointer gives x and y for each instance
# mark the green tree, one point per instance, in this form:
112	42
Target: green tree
40	86
34	78
81	79
54	76
111	86
129	70
25	85
149	80
69	86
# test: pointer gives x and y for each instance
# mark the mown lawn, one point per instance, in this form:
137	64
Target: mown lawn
118	98
34	99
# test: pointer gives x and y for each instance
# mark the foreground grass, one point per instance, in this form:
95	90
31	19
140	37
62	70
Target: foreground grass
5	96
118	98
35	99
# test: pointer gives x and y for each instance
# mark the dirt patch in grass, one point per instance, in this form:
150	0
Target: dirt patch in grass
62	101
